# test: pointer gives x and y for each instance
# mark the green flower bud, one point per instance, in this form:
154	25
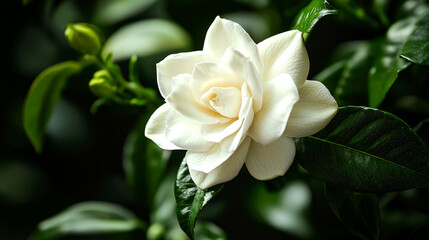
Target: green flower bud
155	231
83	37
102	88
103	73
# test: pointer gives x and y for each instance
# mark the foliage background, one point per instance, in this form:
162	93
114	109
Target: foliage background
82	156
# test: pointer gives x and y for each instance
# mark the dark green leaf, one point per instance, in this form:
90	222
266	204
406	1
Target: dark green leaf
352	87
360	212
416	49
366	150
388	63
87	218
331	75
144	163
310	15
146	37
209	231
190	199
41	98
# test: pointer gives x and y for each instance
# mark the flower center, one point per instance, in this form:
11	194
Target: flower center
224	100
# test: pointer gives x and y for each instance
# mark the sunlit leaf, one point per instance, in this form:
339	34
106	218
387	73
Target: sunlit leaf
190	199
146	37
310	15
416	49
112	11
358	211
366	150
144	163
87	218
41	98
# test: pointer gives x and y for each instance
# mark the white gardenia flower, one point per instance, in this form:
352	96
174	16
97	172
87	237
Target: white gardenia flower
237	102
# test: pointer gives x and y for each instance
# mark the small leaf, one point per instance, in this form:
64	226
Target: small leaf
416	49
310	15
366	150
87	218
109	12
190	199
146	37
41	98
388	64
144	163
360	212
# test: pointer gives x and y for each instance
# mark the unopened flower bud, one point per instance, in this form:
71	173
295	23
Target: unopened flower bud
155	231
83	37
102	88
103	73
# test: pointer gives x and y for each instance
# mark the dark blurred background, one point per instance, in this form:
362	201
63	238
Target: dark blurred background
82	155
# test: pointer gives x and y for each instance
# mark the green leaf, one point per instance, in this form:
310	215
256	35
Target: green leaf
388	64
352	87
41	98
87	218
331	75
283	209
209	231
416	49
109	12
310	15
190	199
360	212
366	150
144	163
146	37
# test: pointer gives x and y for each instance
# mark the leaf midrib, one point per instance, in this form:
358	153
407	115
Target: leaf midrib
368	154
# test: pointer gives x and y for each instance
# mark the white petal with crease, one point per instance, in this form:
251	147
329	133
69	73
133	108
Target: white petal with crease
155	128
176	64
224	172
266	162
183	101
315	108
208	160
185	133
280	95
223	34
285	53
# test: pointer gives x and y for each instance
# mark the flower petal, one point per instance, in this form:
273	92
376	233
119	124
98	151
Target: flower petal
208	160
182	100
218	132
155	128
224	172
243	67
285	53
176	64
223	34
185	133
266	162
315	108
280	95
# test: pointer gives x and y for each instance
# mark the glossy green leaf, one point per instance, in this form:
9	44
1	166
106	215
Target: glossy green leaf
416	49
190	199
360	212
144	163
366	150
310	15
87	218
41	98
388	64
331	75
146	37
113	11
